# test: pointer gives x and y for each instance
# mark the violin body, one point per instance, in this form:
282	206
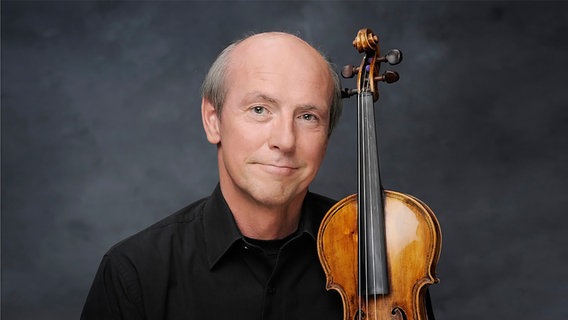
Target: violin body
378	248
413	245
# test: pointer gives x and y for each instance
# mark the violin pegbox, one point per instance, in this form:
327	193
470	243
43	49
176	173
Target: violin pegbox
368	71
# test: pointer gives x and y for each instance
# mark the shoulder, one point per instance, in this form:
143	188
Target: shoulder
319	201
146	260
159	235
316	206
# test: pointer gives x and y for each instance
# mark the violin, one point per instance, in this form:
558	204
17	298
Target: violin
378	248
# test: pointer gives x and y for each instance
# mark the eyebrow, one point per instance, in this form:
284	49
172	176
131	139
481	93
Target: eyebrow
262	96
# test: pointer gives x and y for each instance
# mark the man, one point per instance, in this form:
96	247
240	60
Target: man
248	251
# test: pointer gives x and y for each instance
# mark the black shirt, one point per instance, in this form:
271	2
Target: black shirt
195	264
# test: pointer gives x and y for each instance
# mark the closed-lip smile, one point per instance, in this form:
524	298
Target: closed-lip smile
281	169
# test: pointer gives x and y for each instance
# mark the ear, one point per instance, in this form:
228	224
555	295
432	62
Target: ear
210	121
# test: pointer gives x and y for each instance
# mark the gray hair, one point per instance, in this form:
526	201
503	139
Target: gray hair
214	89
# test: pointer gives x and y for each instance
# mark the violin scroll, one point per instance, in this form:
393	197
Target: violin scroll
366	41
368	71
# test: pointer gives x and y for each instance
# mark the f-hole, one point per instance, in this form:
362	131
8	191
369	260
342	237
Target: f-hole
359	315
398	314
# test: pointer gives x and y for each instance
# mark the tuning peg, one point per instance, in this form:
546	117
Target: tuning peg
393	57
388	77
349	71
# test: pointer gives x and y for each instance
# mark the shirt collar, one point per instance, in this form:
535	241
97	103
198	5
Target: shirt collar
314	209
307	223
219	227
221	230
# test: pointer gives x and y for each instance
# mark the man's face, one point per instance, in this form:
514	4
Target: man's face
273	130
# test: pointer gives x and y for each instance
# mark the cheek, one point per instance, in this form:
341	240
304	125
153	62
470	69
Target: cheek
239	140
232	132
315	150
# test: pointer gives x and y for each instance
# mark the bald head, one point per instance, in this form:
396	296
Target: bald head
272	45
275	37
272	48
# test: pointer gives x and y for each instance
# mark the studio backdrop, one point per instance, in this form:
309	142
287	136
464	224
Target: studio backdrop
102	136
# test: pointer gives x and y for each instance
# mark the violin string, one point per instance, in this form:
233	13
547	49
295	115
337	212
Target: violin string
365	208
369	223
369	214
373	237
359	223
380	211
373	215
365	223
370	226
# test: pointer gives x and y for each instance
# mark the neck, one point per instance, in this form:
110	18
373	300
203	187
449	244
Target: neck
263	221
267	225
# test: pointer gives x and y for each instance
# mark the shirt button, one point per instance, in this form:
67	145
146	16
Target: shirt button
270	290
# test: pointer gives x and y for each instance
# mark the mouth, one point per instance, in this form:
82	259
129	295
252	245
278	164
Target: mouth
278	169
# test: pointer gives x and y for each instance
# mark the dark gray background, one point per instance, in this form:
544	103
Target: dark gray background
101	136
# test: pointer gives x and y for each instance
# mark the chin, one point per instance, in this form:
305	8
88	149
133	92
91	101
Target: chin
275	195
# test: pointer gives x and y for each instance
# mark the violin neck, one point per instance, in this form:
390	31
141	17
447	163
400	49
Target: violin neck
373	277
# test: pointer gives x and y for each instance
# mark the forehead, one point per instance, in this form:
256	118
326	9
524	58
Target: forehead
280	57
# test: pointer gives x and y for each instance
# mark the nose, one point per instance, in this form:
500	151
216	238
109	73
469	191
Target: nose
282	135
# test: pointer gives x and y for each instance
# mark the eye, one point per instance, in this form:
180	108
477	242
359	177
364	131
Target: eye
309	117
258	109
